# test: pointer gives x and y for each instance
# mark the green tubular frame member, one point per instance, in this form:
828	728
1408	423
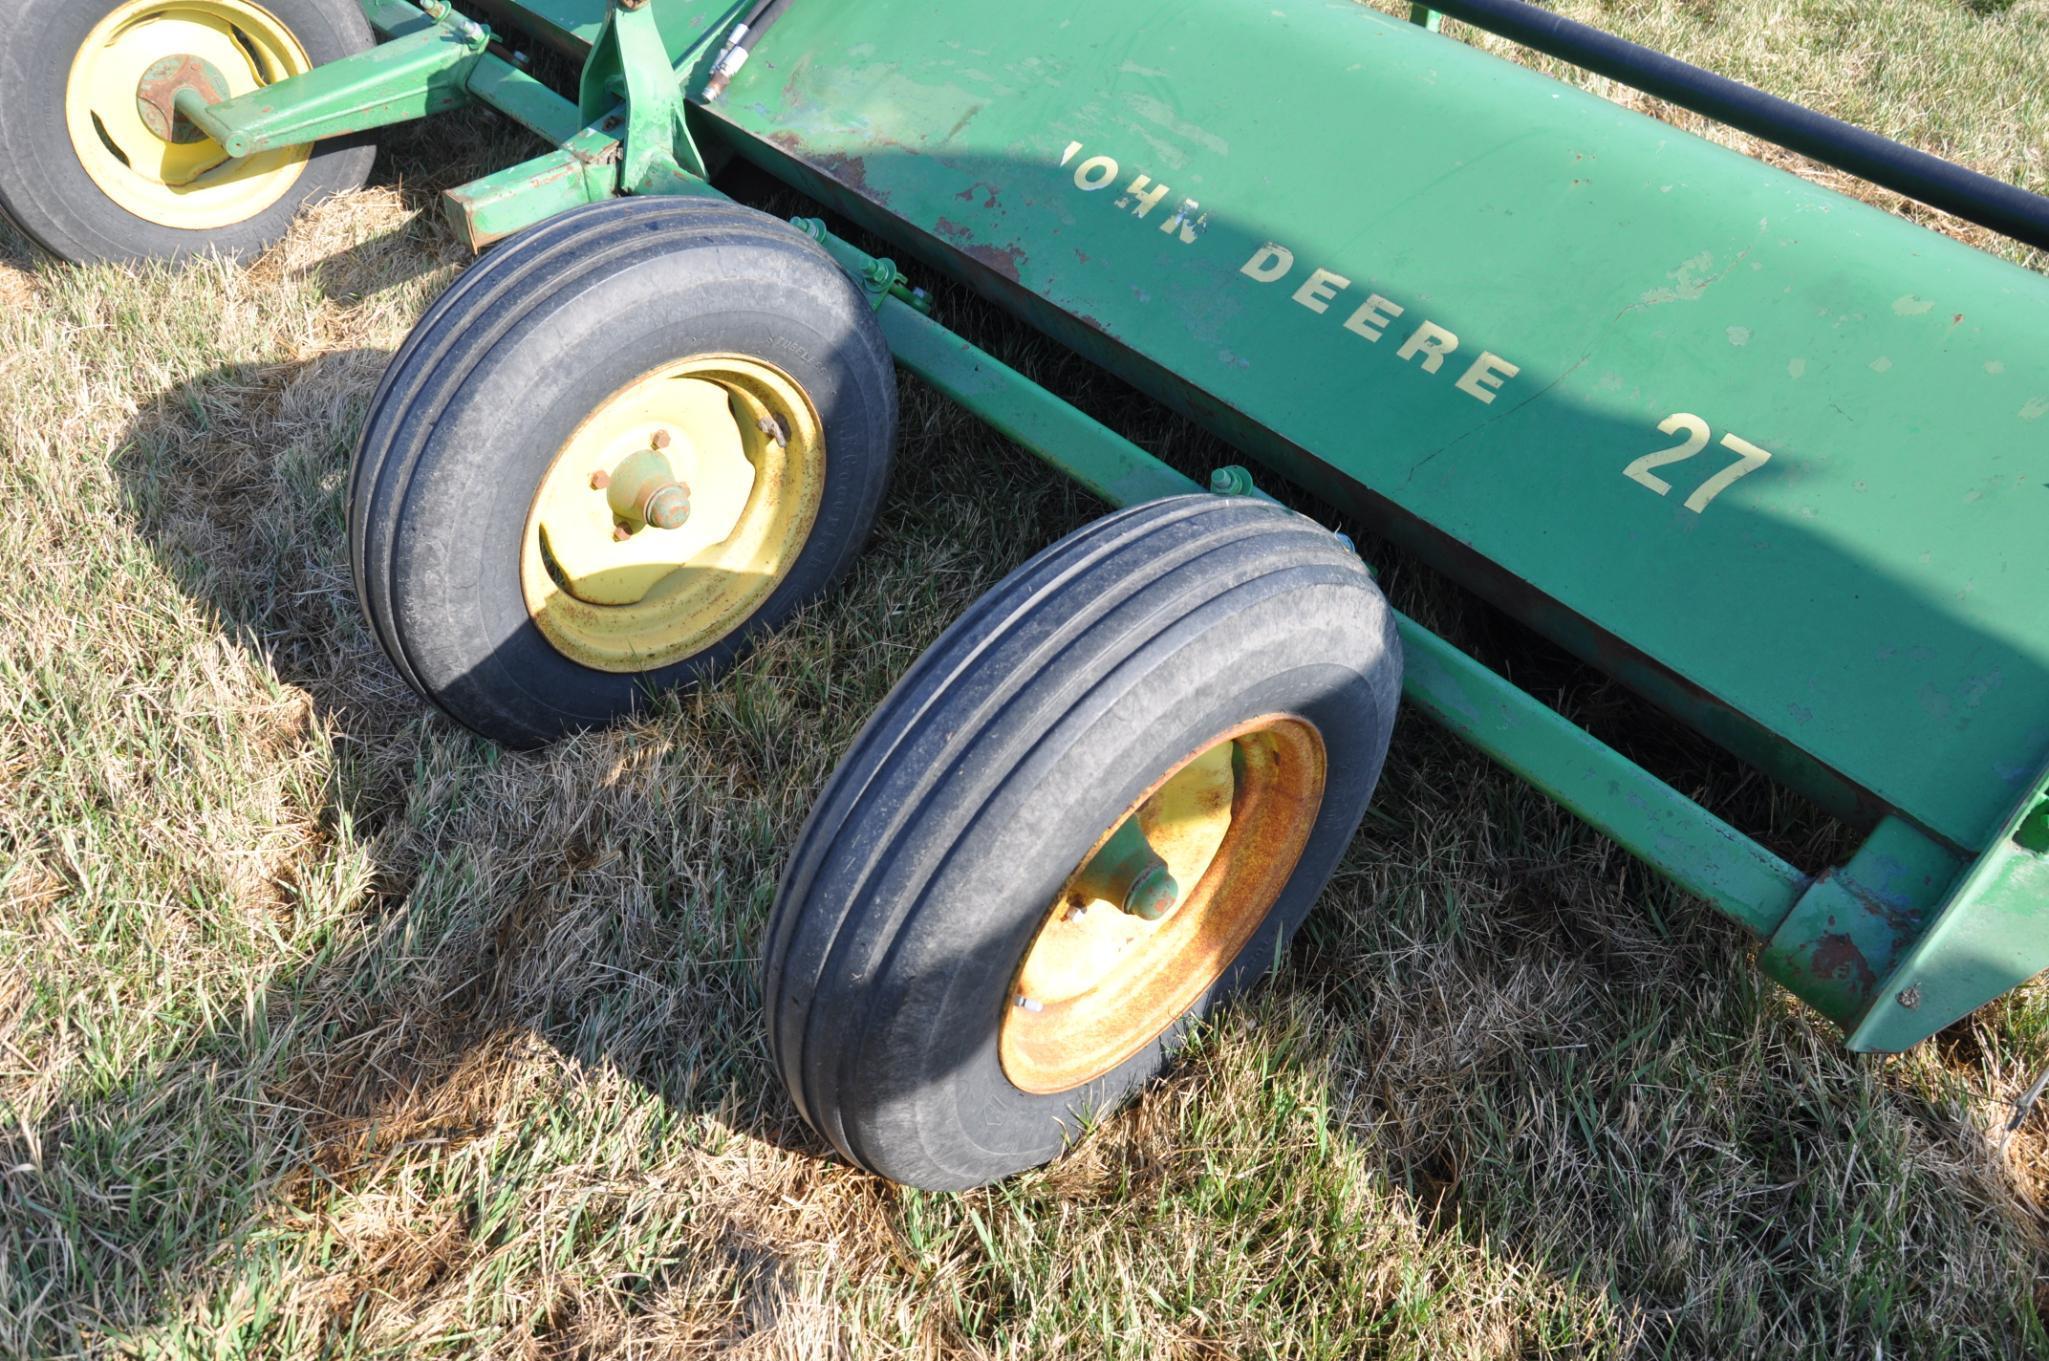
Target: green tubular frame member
1557	318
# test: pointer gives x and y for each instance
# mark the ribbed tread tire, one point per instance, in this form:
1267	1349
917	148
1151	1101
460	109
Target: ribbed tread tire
556	319
940	843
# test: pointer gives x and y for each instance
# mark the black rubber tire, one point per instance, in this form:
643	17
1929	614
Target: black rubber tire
503	367
45	191
1031	725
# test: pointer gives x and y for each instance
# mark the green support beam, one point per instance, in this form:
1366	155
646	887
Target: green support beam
1103	461
406	78
493	208
632	81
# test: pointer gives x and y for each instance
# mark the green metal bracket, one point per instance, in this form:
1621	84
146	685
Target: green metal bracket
586	170
1909	937
1853	924
630	89
595	157
1990	936
394	82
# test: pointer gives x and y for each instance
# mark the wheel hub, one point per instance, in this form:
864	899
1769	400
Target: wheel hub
656	496
156	95
1162	904
120	109
670	509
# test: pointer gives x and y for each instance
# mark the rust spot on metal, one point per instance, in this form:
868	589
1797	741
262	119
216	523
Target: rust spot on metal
946	226
968	195
157	94
1005	260
1837	957
851	171
1095	1012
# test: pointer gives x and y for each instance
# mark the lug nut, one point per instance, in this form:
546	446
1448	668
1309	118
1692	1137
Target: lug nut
620	533
662	439
600	480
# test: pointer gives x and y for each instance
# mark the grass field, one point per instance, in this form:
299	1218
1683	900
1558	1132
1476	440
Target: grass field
328	1030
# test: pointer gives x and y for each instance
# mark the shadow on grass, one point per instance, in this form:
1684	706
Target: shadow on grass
460	905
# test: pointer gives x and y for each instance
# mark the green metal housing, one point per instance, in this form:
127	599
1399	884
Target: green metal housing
1776	459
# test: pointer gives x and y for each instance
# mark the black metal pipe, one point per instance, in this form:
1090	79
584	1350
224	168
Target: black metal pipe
1940	184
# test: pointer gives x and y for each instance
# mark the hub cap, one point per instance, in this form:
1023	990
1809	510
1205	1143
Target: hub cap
673	512
1162	904
154	164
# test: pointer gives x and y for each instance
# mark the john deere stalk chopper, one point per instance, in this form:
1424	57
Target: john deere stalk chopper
1775	459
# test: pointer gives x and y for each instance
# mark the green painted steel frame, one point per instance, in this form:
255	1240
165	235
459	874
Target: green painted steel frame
1905	938
425	70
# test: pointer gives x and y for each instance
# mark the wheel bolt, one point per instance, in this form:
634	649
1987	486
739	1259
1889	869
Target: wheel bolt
620	533
600	480
662	439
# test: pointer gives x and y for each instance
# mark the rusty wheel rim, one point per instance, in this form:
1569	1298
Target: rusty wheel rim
1227	824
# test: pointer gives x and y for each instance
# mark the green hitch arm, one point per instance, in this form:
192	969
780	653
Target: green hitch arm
406	78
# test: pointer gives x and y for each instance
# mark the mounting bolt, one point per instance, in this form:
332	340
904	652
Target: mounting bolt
600	480
1910	996
663	439
1231	481
620	533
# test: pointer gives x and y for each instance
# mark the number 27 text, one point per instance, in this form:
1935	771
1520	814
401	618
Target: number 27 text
1749	458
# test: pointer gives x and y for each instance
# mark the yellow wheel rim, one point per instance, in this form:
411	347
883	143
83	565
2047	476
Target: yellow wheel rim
1228	825
673	512
167	172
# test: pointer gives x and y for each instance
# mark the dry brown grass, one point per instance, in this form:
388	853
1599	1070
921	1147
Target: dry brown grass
328	1030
